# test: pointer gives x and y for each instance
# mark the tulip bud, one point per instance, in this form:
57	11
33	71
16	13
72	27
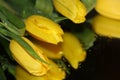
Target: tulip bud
55	73
73	50
31	64
44	29
109	8
105	26
72	9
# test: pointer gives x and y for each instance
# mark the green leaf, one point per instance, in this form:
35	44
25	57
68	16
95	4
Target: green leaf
58	19
90	4
12	18
3	3
11	69
45	6
2	75
28	11
20	5
11	22
87	37
5	23
23	8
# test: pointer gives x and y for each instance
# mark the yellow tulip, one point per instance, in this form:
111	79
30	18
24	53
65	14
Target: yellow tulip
31	64
50	50
109	8
73	50
44	29
105	26
55	73
72	9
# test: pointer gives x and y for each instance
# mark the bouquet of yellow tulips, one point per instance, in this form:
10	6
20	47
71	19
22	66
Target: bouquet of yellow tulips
43	39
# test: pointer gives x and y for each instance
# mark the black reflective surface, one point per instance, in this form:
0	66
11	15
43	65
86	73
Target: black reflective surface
102	62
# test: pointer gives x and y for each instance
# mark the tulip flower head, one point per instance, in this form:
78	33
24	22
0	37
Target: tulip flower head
44	29
72	9
29	63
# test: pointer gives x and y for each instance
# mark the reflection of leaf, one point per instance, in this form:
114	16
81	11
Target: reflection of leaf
86	36
61	63
82	31
90	4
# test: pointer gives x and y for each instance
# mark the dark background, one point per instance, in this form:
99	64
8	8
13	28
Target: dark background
102	62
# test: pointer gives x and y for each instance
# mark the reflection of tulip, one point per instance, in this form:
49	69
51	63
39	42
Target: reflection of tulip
50	50
44	29
109	8
73	50
72	9
106	26
32	65
55	73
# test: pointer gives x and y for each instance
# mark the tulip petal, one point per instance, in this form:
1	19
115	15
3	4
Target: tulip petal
50	50
44	29
108	8
72	9
31	64
55	73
